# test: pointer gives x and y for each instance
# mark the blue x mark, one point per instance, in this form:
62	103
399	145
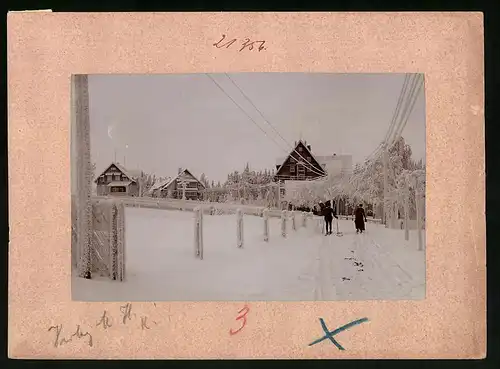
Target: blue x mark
329	335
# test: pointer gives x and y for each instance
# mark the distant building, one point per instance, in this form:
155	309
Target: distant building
118	181
184	183
302	164
155	190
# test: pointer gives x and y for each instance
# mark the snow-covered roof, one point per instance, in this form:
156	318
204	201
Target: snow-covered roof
160	183
308	151
185	171
132	174
119	183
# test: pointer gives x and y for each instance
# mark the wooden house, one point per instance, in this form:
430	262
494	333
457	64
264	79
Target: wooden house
115	180
185	184
299	165
155	190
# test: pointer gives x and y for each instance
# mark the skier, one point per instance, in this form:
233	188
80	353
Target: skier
329	214
359	219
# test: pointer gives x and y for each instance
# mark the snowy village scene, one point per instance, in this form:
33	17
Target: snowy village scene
248	187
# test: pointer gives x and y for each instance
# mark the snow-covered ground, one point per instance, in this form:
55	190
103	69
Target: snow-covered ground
306	265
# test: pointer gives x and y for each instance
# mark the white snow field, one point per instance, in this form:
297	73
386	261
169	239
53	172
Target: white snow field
304	266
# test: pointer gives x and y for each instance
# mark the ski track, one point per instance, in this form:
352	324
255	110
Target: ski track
304	266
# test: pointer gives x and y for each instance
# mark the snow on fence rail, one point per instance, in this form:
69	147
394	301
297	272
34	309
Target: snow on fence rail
189	205
109	245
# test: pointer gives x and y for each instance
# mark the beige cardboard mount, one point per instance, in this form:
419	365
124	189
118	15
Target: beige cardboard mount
45	49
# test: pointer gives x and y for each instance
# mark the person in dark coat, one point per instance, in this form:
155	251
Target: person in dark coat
359	219
329	214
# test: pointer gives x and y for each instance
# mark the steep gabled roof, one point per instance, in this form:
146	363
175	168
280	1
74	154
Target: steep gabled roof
160	183
177	176
133	175
319	167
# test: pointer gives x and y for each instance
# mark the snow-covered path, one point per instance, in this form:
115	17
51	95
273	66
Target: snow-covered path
305	265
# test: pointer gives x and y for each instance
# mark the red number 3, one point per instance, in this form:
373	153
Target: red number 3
239	317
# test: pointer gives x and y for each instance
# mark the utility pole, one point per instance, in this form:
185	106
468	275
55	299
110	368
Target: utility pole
407	210
418	211
386	185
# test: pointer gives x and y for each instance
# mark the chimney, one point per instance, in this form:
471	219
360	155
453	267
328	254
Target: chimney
295	144
179	171
309	147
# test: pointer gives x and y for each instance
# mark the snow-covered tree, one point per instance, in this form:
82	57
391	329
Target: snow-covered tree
367	180
204	180
145	181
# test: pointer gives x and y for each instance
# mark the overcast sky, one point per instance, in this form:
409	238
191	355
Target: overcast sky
159	123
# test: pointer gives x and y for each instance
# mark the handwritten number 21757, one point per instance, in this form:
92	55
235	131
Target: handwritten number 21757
242	316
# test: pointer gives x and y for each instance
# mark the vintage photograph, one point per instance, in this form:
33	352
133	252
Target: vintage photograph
248	187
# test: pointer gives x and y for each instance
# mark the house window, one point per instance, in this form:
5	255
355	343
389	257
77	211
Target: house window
300	148
117	177
292	168
109	177
118	189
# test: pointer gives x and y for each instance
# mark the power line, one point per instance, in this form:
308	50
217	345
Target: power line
225	93
265	133
411	105
398	108
375	155
312	168
378	151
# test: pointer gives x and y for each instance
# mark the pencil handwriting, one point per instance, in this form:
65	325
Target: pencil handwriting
126	311
59	340
105	322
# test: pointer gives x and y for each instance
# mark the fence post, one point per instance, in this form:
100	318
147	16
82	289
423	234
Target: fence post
197	233
419	220
201	233
239	227
283	223
265	215
117	241
294	226
407	215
